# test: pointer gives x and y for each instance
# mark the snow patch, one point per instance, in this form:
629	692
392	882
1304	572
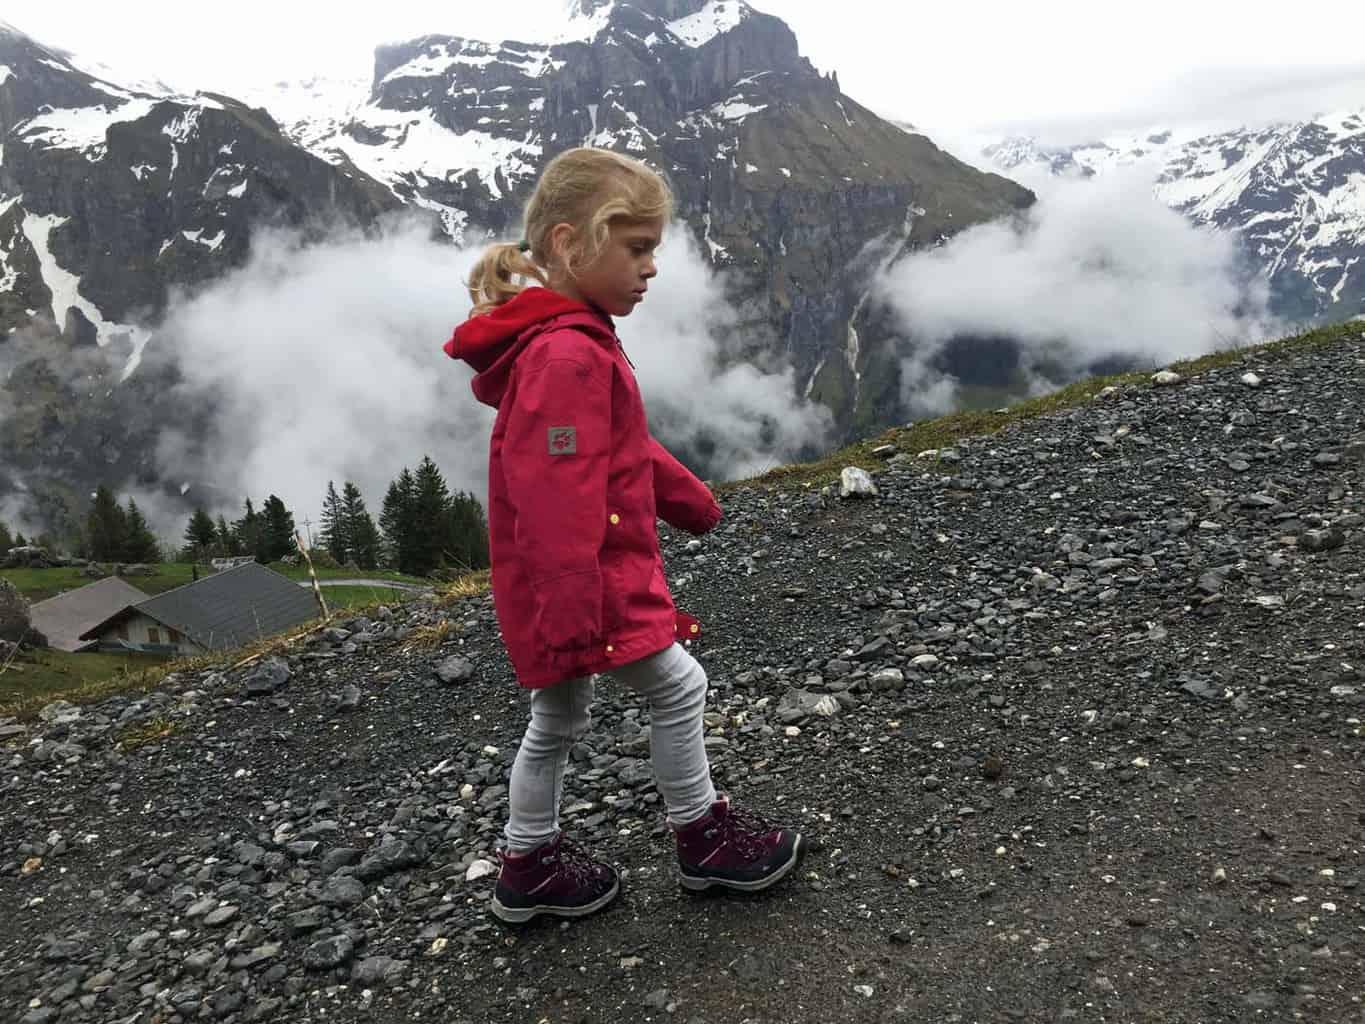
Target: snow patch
140	171
198	237
65	288
441	58
584	28
716	18
737	110
718	251
80	128
181	128
416	145
6	73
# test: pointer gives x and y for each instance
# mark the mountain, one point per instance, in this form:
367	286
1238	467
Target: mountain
1083	160
1292	193
111	197
782	179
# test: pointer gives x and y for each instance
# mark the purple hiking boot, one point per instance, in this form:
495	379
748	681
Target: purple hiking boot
736	850
558	878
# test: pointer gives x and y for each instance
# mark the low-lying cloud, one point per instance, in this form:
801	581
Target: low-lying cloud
322	361
1098	269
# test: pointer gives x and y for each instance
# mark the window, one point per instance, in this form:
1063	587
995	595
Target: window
153	635
121	630
172	637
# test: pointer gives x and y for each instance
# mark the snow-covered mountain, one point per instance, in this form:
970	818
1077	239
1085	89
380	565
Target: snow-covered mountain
1293	194
1084	160
113	195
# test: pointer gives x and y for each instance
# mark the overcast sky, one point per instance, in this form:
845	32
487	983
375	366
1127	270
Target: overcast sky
1068	69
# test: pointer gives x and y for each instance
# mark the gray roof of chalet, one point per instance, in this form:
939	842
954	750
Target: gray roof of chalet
62	619
228	609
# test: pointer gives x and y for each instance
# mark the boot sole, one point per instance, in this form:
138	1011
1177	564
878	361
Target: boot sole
695	884
520	915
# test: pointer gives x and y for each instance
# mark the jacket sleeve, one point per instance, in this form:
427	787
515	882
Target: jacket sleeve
681	499
555	459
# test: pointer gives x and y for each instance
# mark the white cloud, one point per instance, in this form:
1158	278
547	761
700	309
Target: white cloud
1097	269
323	362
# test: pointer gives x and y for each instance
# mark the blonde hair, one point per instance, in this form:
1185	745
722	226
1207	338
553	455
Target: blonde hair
586	188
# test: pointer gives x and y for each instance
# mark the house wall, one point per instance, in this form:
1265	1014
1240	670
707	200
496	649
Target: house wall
144	633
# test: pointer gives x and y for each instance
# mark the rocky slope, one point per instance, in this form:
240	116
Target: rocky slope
1293	194
1073	713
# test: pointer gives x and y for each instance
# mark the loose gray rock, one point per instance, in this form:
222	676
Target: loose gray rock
342	891
328	953
454	669
267	677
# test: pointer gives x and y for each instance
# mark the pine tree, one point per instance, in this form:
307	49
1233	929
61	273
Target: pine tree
106	527
433	534
226	542
139	543
19	541
6	541
361	534
200	535
336	533
397	521
365	538
469	529
278	531
249	531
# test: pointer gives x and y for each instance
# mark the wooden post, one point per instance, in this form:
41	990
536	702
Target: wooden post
317	590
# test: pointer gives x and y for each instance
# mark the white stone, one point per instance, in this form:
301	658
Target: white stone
1251	380
1165	378
855	483
480	869
924	661
826	706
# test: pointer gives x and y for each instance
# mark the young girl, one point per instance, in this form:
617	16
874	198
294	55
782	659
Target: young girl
574	485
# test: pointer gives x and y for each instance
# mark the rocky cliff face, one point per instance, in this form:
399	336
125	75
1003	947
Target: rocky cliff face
782	179
110	198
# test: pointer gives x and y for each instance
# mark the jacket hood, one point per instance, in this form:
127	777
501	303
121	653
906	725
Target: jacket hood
492	341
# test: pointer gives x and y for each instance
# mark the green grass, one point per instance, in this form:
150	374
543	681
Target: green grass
40	584
948	430
301	573
360	597
48	673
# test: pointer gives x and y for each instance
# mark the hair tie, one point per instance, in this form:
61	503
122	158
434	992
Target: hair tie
523	246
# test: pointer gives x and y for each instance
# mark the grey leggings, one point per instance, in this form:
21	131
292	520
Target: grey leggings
675	686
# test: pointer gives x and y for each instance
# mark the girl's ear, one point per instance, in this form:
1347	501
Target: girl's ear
561	241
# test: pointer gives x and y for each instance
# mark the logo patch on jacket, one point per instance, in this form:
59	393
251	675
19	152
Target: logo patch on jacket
563	440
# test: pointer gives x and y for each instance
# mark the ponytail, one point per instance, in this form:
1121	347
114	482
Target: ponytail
494	279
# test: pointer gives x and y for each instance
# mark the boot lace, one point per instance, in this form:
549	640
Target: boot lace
744	831
573	860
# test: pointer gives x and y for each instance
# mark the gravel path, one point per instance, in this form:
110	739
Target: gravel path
1072	714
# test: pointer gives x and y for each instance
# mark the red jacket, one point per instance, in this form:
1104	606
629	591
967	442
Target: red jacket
575	482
